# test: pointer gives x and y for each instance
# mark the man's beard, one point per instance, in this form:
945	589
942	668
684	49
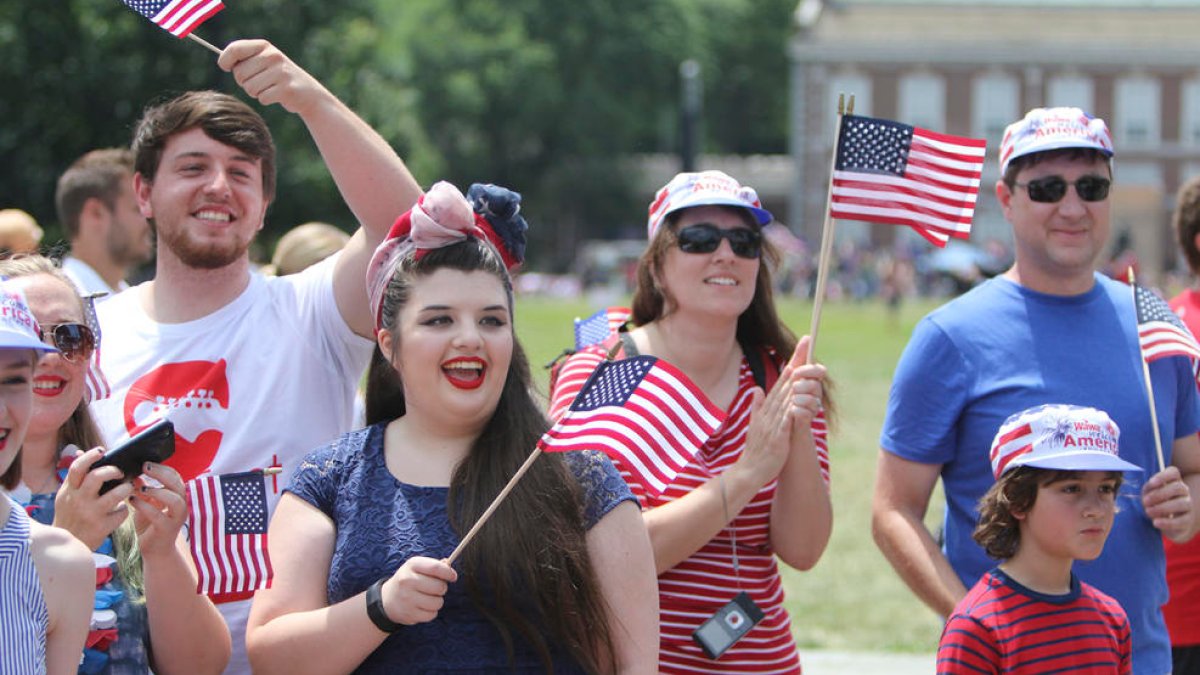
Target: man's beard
202	256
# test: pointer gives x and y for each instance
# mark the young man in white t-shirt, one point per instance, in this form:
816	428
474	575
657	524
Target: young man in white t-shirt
253	372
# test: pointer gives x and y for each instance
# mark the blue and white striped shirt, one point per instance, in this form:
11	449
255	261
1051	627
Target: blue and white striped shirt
24	618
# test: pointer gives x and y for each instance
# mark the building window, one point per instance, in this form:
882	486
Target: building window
847	83
1189	122
1138	111
923	101
994	100
1070	91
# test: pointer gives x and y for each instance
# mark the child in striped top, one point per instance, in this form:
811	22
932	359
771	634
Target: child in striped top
1057	477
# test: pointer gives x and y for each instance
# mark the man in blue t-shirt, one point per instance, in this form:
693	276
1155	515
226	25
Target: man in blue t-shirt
1050	330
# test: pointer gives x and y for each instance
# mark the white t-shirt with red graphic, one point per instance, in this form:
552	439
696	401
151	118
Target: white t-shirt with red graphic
256	384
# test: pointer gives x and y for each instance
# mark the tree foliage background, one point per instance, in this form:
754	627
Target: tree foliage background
549	98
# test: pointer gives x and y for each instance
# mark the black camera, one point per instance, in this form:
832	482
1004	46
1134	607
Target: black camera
720	631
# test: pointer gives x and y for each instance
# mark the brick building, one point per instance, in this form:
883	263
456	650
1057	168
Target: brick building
970	68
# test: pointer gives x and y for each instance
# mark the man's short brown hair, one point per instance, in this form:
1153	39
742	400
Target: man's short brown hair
222	117
98	174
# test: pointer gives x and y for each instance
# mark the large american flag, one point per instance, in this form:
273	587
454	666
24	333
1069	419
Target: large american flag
642	411
888	172
227	521
178	17
1160	332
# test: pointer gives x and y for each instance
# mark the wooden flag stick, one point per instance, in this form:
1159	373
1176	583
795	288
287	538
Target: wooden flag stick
208	45
1162	465
512	482
826	235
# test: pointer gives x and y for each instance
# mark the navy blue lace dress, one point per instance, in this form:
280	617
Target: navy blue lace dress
381	522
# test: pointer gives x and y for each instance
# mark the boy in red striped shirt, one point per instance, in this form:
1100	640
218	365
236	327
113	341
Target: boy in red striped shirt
1057	477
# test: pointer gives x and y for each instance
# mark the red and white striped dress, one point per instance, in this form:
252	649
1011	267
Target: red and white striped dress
694	589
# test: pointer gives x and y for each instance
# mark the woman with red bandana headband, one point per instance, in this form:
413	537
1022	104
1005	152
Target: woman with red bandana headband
147	615
559	580
758	488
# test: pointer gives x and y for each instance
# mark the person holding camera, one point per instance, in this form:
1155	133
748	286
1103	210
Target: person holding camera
148	614
759	487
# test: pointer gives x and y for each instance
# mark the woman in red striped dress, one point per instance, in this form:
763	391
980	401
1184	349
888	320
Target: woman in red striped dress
759	488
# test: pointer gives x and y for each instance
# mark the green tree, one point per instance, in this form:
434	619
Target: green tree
545	97
746	73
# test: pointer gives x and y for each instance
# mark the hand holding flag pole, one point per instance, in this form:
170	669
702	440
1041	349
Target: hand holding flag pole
179	17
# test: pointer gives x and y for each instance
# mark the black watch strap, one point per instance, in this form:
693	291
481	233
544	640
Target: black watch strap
375	609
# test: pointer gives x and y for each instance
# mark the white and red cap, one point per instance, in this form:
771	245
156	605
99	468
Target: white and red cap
703	188
1064	437
18	328
1045	129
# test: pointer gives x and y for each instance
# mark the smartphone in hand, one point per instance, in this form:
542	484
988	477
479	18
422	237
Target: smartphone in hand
154	444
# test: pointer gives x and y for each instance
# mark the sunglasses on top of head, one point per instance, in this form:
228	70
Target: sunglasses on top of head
1051	189
74	341
706	238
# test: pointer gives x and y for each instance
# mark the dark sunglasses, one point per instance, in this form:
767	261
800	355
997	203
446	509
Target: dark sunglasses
706	238
74	341
1051	189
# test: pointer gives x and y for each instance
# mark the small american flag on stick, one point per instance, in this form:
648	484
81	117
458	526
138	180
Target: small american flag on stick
597	327
227	519
177	17
644	413
1160	332
888	172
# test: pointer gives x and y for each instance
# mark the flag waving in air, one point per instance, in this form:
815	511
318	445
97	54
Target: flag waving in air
1160	332
177	17
888	172
642	412
227	524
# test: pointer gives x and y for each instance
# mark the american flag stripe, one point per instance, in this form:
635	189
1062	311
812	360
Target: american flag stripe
892	173
96	384
1011	445
178	17
200	493
1020	433
182	17
1161	339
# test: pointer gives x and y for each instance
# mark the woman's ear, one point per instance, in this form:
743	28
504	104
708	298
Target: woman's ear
383	337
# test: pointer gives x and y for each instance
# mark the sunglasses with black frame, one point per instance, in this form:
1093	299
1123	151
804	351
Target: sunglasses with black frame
706	238
1051	189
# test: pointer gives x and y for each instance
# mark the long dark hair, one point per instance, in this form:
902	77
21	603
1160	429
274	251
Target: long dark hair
527	571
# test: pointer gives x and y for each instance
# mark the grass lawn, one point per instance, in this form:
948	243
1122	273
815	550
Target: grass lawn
852	599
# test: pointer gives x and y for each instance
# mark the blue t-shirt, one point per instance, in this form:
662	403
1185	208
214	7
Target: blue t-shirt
1002	348
381	522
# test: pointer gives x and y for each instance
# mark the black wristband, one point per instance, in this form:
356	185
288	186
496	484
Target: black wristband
375	609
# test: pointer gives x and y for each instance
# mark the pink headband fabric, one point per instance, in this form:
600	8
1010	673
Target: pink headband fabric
442	216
